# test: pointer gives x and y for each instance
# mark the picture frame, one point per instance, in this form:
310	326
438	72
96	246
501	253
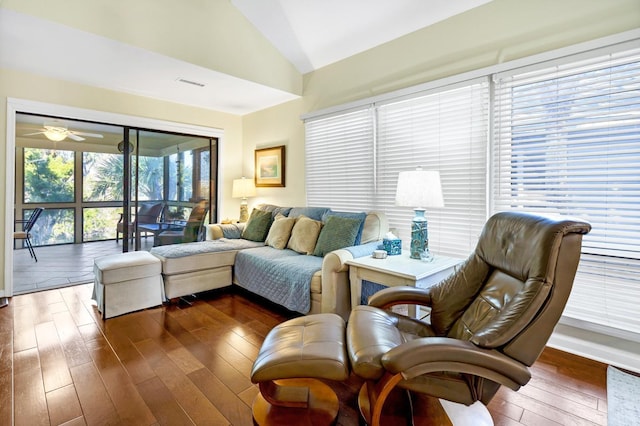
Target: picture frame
270	167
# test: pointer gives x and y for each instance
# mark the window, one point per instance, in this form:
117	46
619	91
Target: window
340	161
444	131
349	169
567	141
54	226
48	176
564	139
102	176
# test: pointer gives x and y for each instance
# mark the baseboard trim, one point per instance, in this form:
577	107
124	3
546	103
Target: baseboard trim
610	350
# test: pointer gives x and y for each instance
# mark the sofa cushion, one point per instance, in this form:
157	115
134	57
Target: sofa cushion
280	231
375	227
304	235
275	210
258	225
338	232
360	216
314	213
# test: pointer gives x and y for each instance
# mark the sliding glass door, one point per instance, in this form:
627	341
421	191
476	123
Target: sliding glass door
93	179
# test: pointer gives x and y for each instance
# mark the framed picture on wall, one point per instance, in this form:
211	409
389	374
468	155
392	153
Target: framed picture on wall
270	166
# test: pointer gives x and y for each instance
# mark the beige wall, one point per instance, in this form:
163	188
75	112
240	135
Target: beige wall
497	32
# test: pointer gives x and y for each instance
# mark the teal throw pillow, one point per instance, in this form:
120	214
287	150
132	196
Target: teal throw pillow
258	225
338	232
361	216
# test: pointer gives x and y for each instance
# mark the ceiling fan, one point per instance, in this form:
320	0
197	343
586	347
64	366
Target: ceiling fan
57	132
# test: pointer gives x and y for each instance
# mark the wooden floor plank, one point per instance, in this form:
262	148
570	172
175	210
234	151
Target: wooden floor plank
219	345
128	403
24	333
6	365
71	340
232	407
30	405
197	406
55	370
500	406
181	364
221	368
245	346
128	355
94	398
73	297
63	405
162	403
558	413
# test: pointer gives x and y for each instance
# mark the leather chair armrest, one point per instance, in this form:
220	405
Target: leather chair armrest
401	295
437	354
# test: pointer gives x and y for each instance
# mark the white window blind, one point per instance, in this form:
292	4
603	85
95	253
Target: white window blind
445	131
567	141
340	161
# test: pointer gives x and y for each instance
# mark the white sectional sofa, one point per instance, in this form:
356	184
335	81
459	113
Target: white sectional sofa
273	264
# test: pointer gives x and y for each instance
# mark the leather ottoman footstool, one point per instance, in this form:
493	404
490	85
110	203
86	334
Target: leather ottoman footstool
127	282
294	354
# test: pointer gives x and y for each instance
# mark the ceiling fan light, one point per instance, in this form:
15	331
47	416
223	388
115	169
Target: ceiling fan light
55	134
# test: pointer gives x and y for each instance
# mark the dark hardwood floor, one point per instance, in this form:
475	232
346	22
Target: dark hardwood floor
179	364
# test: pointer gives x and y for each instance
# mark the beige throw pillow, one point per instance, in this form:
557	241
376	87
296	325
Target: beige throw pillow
304	235
280	231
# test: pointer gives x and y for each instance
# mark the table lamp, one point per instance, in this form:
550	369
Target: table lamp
419	189
243	188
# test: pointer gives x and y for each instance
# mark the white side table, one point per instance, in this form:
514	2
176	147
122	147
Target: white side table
397	271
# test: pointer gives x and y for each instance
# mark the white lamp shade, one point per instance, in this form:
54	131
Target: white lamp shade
243	188
419	188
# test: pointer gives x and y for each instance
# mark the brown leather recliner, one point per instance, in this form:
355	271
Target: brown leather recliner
489	321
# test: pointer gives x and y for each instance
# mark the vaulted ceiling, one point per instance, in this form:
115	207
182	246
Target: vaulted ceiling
310	34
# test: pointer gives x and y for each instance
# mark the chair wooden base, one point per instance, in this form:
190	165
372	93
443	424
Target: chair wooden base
397	407
288	405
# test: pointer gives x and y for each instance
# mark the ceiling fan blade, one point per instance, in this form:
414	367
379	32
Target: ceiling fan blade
74	137
33	134
91	135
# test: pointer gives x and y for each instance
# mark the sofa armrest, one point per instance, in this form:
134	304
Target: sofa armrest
336	289
215	231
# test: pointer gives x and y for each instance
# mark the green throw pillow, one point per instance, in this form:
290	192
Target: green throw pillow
258	225
338	232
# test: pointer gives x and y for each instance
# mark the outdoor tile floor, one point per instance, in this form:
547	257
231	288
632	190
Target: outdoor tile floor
61	266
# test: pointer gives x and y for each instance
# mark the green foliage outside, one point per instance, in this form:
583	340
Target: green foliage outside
48	176
102	177
100	223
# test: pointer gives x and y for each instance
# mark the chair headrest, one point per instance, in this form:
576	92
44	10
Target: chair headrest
520	244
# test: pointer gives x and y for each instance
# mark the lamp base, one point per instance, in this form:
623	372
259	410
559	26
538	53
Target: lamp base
244	212
420	237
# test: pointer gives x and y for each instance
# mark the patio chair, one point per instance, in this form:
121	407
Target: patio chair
27	226
148	213
191	229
